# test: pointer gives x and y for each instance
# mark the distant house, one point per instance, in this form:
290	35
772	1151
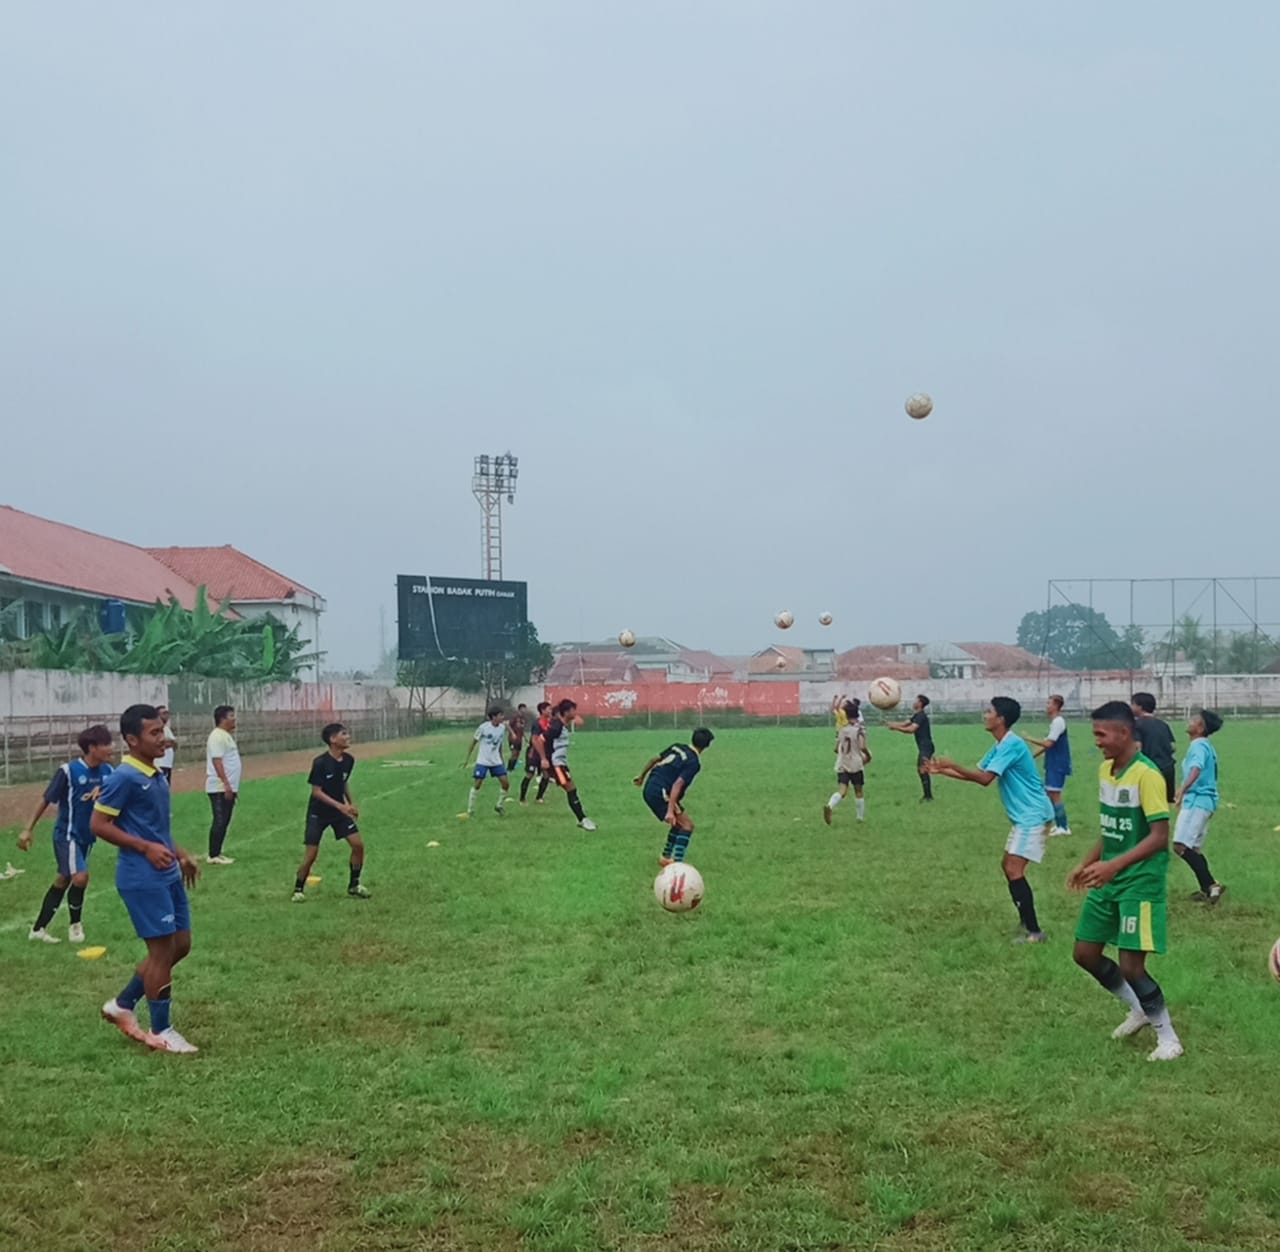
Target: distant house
52	570
607	661
815	664
939	659
248	587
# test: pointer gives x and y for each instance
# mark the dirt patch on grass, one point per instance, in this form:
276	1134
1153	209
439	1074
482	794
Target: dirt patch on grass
297	1204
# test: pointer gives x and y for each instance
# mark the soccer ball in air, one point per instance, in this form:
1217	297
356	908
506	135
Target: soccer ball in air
919	405
679	888
785	620
1273	962
885	693
627	638
824	619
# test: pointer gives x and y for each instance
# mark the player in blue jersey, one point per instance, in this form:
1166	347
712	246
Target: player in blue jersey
1056	749
74	788
133	813
666	781
1011	764
1197	799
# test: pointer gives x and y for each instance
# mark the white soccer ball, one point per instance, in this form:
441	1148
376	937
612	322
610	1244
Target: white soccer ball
627	638
679	888
780	663
885	693
919	405
825	619
785	620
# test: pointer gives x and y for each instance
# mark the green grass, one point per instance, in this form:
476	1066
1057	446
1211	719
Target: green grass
512	1046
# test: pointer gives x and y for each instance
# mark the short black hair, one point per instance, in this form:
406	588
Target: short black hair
565	706
330	730
1115	711
132	718
702	738
924	699
221	711
521	706
1145	701
852	708
494	710
94	736
1212	721
543	705
1008	710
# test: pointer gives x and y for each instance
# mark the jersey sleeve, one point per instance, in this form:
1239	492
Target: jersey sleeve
316	777
1057	728
114	796
690	770
1154	796
57	790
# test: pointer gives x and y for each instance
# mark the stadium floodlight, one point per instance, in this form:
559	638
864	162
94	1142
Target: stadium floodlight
494	478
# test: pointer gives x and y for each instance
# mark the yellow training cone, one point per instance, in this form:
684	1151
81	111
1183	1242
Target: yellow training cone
90	954
313	880
434	843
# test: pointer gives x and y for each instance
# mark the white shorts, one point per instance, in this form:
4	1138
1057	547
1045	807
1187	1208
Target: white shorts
1027	842
1193	825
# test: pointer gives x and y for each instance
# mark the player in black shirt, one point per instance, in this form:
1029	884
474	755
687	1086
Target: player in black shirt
516	724
925	751
332	808
666	781
532	756
1155	738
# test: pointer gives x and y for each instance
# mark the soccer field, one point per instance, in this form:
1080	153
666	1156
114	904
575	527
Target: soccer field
512	1046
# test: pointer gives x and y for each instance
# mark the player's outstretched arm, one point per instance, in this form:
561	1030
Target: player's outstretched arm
644	773
949	769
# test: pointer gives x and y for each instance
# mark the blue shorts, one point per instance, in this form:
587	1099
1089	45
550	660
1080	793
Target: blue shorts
72	855
158	911
1055	780
484	771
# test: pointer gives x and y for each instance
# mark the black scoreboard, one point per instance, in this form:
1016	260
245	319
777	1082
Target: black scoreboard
460	617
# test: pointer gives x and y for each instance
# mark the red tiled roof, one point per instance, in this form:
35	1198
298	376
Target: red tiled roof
40	551
574	669
877	660
230	575
709	661
1007	658
766	662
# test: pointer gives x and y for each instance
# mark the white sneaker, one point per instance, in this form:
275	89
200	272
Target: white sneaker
220	860
122	1018
1166	1051
43	936
169	1041
75	932
587	824
1060	830
1136	1020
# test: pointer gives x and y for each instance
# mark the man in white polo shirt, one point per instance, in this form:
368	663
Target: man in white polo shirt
222	779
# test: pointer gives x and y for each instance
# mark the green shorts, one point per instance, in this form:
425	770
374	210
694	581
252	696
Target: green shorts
1131	923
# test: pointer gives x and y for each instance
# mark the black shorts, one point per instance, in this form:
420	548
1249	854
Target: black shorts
318	822
845	779
532	765
659	803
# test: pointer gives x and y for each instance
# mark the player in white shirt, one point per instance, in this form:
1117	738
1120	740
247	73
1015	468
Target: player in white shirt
852	754
491	740
222	780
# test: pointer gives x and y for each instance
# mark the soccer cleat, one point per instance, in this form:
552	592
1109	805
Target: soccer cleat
1060	830
587	824
1198	897
1166	1051
664	861
1037	936
464	817
1215	892
43	936
220	860
1136	1020
75	932
500	810
123	1019
826	814
360	892
169	1041
299	897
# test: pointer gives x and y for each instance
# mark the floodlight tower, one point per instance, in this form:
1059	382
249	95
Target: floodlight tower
494	478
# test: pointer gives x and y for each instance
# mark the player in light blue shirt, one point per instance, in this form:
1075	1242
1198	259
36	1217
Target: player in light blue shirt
491	740
1198	800
1011	765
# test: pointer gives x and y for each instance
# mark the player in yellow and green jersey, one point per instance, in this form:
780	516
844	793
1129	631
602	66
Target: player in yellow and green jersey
1125	875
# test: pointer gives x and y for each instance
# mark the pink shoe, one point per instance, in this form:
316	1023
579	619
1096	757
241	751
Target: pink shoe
124	1020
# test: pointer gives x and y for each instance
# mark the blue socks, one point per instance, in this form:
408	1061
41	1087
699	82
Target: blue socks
130	996
159	1015
1060	815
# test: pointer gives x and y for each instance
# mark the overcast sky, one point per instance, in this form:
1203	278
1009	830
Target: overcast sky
275	272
